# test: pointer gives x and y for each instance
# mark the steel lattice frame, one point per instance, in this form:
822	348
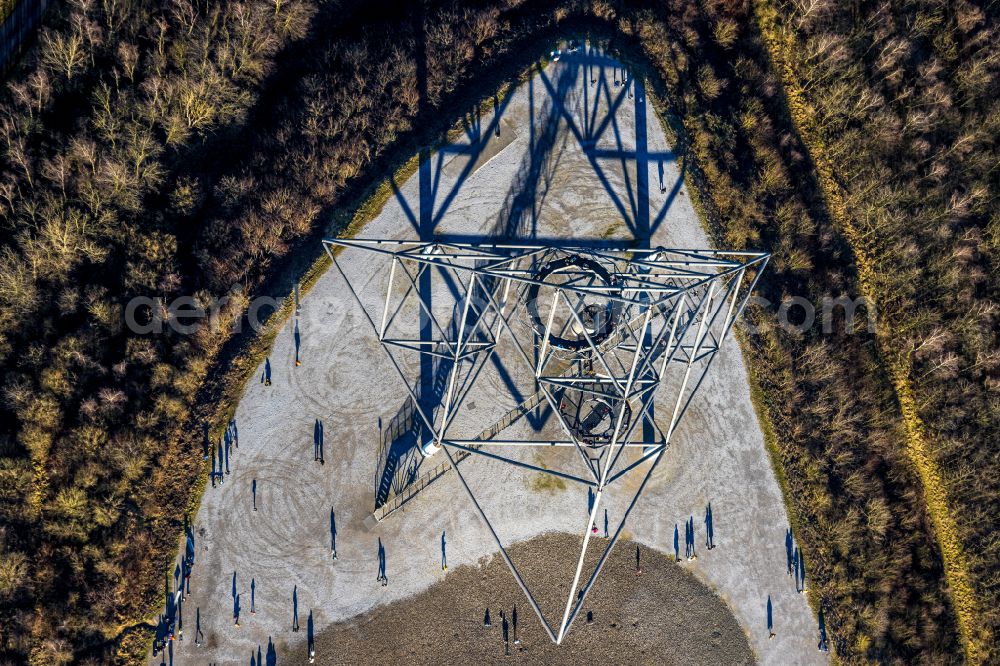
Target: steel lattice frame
669	307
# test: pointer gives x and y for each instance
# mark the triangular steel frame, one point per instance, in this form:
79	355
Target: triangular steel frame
677	306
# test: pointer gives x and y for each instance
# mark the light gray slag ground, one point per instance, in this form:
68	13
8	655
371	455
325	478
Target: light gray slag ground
717	454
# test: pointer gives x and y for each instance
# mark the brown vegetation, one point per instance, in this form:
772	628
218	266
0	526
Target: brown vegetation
903	102
152	150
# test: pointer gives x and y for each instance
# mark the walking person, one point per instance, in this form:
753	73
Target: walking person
253	593
236	610
295	608
605	523
253	489
677	544
694	553
266	377
638	568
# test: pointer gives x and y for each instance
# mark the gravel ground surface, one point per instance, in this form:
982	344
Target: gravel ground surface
664	616
580	134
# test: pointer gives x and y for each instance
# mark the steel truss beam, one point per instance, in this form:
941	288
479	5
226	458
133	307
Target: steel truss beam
676	307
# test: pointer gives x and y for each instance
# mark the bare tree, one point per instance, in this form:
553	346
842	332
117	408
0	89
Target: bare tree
63	53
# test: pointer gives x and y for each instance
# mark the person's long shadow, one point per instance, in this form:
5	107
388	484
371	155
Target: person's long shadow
298	343
770	617
795	567
318	441
310	640
272	654
189	549
171	608
789	545
382	577
333	534
709	527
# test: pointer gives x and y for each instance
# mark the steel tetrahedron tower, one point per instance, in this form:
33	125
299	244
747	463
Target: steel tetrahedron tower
600	333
